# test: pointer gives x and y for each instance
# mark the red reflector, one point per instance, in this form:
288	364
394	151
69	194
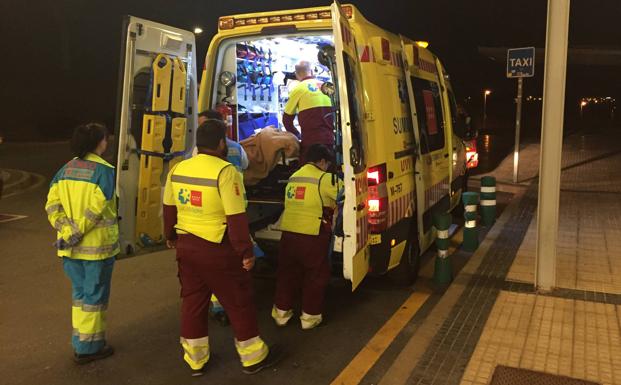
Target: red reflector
472	156
385	49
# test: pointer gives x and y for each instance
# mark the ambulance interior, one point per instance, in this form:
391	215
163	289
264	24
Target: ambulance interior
254	77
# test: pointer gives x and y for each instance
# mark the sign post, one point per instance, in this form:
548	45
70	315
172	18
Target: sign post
520	64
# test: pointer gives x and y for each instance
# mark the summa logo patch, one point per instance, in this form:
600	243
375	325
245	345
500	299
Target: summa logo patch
298	192
183	196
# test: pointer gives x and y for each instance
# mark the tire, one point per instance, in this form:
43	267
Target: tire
406	272
458	211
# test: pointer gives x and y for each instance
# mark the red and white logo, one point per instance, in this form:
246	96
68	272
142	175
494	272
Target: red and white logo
196	198
300	191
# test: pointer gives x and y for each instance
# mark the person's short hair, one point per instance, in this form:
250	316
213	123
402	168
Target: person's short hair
210	133
316	152
86	138
210	114
303	68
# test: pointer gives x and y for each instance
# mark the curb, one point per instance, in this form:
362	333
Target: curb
17	182
405	363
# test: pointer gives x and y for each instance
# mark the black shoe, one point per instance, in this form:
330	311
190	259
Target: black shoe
198	372
221	317
273	357
82	359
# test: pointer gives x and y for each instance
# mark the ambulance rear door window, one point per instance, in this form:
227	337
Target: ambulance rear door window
429	114
353	79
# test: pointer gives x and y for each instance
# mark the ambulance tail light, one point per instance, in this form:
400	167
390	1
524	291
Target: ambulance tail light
377	202
472	156
376	175
378	214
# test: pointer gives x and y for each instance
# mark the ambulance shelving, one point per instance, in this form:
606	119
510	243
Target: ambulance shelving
394	124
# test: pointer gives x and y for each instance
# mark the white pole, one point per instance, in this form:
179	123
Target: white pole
551	143
518	123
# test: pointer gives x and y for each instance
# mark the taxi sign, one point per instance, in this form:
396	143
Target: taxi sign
521	62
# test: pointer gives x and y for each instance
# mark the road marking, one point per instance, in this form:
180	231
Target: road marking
371	352
10	217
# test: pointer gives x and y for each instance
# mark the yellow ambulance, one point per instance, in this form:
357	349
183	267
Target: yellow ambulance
394	115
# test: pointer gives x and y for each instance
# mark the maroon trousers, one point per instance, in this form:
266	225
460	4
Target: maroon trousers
303	264
207	268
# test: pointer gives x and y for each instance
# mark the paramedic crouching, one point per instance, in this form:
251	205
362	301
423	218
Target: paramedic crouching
306	224
313	109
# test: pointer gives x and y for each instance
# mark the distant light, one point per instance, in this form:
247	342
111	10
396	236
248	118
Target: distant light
422	44
487	92
198	30
583	103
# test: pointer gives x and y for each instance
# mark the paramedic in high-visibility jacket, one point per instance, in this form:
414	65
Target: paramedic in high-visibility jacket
313	108
81	206
205	220
306	224
238	158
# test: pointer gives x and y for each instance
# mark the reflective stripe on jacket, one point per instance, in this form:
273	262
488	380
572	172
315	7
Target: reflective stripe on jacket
205	189
309	190
81	205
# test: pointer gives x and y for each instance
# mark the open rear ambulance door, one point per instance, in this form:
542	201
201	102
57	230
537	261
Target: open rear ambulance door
351	119
408	47
155	127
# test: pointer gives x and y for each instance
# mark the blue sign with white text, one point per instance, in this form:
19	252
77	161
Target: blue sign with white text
521	62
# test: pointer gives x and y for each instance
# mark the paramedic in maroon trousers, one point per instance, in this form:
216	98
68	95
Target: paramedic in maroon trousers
314	110
306	224
205	220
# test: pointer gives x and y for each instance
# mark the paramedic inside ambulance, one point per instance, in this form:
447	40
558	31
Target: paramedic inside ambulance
313	109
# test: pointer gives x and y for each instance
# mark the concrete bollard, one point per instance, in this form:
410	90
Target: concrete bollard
488	200
443	272
471	233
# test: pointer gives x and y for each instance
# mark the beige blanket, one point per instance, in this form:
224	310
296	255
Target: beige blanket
265	149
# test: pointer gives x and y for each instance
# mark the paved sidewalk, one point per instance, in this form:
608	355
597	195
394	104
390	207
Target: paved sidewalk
492	314
589	239
561	334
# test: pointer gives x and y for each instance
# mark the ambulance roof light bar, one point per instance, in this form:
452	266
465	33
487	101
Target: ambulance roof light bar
229	22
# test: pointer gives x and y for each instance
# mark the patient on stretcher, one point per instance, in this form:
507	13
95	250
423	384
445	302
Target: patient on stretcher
266	149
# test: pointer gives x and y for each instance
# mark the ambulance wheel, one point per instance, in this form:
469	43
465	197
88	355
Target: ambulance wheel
458	211
406	272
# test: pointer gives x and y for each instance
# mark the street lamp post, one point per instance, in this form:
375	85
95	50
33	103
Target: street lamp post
485	93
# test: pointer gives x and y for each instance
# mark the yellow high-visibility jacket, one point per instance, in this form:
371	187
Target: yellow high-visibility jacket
205	189
81	204
309	190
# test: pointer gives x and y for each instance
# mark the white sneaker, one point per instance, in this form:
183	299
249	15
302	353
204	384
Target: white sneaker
310	321
281	317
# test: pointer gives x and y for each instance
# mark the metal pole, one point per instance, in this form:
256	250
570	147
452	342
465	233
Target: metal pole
518	120
484	109
551	143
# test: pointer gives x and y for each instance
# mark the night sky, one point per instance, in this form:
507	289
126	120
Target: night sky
61	57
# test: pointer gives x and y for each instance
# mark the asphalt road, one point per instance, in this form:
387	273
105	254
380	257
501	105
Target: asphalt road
143	315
